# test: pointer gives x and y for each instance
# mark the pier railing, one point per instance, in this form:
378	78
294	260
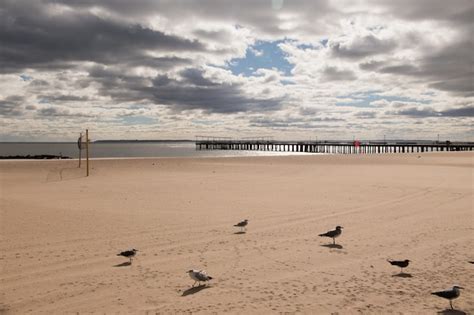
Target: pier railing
335	147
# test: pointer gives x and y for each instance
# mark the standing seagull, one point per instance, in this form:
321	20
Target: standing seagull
400	263
242	225
198	276
333	234
129	254
450	294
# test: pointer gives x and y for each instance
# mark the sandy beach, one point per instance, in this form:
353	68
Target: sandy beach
60	233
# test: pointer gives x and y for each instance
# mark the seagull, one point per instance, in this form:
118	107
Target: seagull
333	234
242	224
198	276
450	294
400	263
129	254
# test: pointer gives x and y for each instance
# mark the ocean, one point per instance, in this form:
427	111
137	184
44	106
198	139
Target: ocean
125	149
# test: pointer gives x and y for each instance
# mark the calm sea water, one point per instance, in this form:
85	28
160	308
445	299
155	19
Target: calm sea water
111	150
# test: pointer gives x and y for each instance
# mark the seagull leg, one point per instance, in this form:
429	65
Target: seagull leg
451	303
333	241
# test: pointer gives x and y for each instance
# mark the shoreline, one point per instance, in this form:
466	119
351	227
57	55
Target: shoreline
290	154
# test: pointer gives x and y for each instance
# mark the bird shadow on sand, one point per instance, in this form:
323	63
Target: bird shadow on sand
124	264
194	290
403	275
240	232
449	311
336	246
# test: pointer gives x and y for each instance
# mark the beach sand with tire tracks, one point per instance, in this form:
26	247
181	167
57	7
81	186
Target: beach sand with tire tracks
60	233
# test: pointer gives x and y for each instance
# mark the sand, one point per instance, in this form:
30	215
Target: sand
60	233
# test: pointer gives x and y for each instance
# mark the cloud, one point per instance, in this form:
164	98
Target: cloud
46	40
366	114
62	98
430	112
52	112
336	74
362	47
194	91
190	90
12	106
459	112
309	17
458	12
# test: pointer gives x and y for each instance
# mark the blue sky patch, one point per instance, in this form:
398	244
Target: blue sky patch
203	122
25	77
138	120
43	101
287	82
365	99
305	46
262	55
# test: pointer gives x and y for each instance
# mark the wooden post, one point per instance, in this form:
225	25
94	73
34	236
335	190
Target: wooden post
79	144
87	150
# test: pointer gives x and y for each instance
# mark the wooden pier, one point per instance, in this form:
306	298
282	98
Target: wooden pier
331	147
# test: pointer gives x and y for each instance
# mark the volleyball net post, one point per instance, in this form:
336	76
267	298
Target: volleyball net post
79	145
83	144
87	151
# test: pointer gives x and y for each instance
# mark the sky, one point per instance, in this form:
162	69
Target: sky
176	69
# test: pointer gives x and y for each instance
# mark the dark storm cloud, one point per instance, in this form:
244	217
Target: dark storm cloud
195	77
162	63
362	47
459	112
430	112
60	112
37	38
220	35
260	15
62	98
194	91
191	90
448	69
452	68
400	69
457	12
336	74
462	86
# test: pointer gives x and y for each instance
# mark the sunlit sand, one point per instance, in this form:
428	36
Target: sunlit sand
61	232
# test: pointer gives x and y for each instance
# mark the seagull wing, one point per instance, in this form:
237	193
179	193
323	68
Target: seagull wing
329	234
201	276
447	294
